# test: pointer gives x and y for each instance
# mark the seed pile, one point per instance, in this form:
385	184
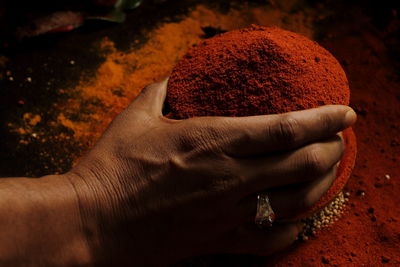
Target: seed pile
324	218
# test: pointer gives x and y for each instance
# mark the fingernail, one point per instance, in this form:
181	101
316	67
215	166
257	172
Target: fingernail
338	164
350	117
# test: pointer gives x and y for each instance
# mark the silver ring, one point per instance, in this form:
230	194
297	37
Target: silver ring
265	216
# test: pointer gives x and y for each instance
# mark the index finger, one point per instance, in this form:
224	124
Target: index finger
259	135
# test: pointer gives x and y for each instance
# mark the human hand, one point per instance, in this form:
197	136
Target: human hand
155	190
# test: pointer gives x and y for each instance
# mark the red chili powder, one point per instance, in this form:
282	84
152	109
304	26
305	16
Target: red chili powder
257	71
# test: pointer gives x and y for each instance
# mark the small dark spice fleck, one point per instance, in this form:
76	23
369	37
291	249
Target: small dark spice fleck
385	260
371	210
325	260
211	31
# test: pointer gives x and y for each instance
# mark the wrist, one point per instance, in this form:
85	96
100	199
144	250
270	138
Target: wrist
97	216
41	223
117	233
89	209
74	239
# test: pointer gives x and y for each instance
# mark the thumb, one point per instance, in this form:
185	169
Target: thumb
151	98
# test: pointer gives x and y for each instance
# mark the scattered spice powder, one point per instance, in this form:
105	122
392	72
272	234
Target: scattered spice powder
32	119
368	233
123	74
90	107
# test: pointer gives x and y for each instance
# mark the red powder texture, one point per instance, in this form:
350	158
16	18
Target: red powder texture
257	71
369	232
343	172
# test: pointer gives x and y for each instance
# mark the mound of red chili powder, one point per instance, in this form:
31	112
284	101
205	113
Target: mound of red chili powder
257	71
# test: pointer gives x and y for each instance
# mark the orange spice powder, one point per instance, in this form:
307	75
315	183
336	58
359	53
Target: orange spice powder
122	75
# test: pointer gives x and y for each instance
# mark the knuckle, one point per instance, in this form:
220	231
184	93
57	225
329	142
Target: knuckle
244	136
177	163
287	130
314	161
326	121
233	144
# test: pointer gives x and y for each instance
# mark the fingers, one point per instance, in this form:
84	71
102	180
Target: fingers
260	135
151	98
294	202
289	202
249	239
303	165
